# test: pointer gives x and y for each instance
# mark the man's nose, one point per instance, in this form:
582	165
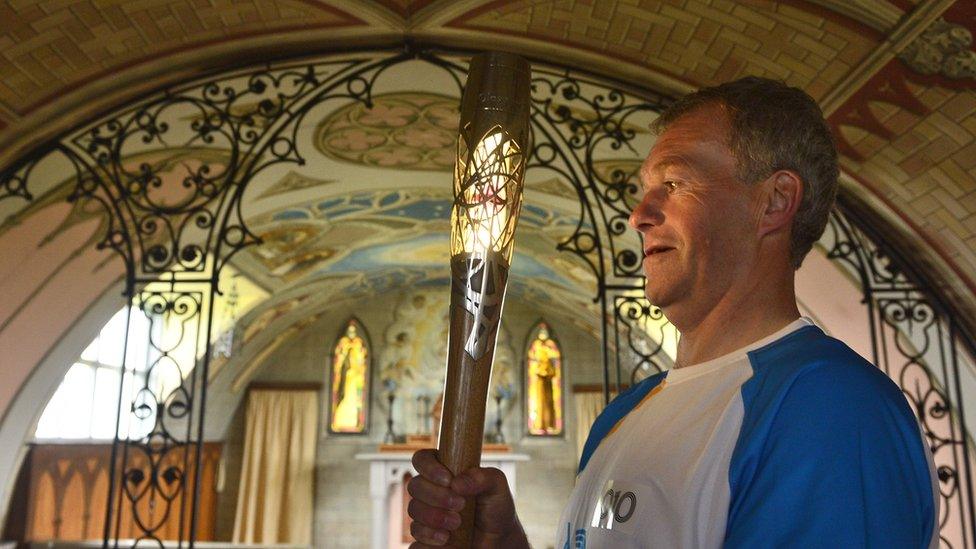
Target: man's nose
647	213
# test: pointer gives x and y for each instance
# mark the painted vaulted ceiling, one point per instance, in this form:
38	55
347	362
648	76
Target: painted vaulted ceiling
366	212
895	78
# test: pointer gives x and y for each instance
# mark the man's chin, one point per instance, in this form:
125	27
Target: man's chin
658	297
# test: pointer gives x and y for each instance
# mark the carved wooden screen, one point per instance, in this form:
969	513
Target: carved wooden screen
68	490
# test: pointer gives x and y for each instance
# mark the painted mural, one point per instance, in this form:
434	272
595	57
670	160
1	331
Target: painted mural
294	181
554	186
376	230
413	205
404	130
415	352
254	324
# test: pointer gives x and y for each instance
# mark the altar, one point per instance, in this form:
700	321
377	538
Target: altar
388	473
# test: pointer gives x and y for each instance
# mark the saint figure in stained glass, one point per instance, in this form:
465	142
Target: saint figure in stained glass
544	384
349	382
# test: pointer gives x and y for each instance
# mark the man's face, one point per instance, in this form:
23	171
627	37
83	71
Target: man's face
697	220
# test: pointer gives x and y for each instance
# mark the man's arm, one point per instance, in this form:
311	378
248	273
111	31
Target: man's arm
437	496
842	465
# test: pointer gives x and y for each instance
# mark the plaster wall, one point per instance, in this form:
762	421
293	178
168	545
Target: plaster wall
341	494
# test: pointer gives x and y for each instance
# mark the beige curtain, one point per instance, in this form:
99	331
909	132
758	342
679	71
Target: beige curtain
589	404
274	503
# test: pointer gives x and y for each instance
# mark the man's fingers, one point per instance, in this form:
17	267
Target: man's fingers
426	463
433	517
433	494
427	536
480	481
420	545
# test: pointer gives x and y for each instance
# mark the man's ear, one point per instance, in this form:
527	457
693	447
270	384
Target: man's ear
784	190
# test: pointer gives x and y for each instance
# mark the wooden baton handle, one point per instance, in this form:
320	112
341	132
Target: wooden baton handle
493	133
466	384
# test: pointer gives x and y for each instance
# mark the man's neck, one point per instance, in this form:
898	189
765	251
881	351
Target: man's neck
738	321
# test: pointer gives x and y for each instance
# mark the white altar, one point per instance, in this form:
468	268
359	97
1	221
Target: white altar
386	490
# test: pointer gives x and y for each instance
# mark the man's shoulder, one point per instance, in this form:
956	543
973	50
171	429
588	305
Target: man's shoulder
828	437
813	393
644	385
805	347
810	360
615	412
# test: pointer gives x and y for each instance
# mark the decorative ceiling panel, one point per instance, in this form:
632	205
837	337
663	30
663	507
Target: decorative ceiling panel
413	131
909	136
700	42
49	47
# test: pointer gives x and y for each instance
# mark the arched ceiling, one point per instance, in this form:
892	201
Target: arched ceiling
894	77
365	212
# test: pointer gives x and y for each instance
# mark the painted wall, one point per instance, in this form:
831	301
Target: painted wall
342	497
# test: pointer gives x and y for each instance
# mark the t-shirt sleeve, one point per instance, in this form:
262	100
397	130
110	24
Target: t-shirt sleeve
841	464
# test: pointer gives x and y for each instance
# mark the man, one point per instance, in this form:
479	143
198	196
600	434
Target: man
767	433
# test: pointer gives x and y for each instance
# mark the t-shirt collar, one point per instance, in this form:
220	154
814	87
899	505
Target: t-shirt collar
676	375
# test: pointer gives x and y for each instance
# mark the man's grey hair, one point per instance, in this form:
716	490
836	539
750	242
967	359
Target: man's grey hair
775	127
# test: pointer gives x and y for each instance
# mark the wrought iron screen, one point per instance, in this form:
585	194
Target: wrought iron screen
918	342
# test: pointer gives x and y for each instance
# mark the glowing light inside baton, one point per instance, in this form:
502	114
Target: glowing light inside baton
488	196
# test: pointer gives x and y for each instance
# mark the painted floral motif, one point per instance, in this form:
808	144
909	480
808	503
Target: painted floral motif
354	140
411	130
944	48
390	114
294	181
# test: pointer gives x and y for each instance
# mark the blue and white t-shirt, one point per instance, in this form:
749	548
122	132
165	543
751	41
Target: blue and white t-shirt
793	441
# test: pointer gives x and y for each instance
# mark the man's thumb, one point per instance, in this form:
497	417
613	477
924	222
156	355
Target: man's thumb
480	481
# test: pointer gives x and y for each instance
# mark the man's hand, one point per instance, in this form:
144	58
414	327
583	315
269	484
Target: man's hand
437	497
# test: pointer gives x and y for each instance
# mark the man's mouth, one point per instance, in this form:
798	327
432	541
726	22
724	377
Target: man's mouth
655	250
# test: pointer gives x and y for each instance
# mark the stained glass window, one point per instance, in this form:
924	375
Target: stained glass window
349	381
545	392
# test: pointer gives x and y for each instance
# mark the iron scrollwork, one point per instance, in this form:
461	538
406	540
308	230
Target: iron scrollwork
175	224
916	341
645	331
575	122
180	232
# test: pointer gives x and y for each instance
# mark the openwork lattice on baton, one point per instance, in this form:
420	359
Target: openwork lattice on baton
175	229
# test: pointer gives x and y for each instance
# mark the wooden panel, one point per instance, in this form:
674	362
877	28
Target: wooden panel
68	485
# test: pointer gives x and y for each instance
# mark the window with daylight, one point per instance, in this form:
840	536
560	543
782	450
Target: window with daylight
349	381
86	402
545	376
161	346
